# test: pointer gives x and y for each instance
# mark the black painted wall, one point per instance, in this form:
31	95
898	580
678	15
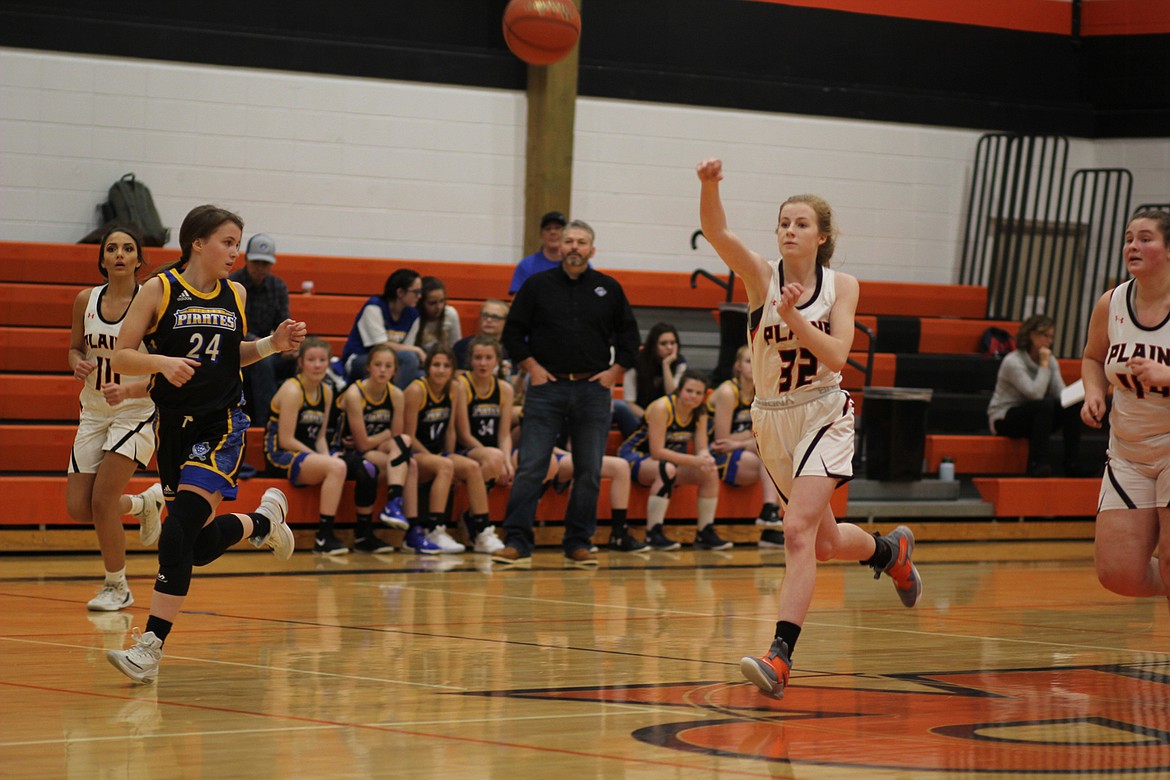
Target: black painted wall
722	53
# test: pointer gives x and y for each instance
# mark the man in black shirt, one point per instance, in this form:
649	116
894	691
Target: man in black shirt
572	329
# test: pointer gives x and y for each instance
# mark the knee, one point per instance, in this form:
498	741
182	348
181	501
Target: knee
337	469
104	506
826	548
1123	579
79	509
445	468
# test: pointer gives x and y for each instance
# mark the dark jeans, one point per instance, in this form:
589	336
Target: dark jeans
582	408
625	419
1036	421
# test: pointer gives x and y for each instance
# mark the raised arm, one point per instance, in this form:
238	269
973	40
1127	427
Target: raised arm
750	267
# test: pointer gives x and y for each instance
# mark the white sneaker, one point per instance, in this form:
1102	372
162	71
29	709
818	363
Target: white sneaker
274	506
443	539
140	661
150	518
486	541
111	598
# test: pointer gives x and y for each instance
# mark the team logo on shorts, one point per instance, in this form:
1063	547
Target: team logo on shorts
1062	721
201	450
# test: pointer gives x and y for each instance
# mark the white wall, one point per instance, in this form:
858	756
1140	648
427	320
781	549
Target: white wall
370	168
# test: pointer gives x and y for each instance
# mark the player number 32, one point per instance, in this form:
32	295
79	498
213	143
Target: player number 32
797	369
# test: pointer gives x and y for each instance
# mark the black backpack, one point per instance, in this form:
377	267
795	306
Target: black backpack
130	204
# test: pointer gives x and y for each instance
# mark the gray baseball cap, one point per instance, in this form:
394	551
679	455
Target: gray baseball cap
261	249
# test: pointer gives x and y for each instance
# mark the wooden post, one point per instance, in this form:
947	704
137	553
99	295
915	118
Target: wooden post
548	175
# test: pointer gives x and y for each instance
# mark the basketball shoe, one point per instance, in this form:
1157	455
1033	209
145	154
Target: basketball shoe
770	673
150	518
446	543
901	569
111	598
139	662
416	539
392	515
274	506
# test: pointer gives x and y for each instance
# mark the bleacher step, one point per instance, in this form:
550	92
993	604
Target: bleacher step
918	490
958	507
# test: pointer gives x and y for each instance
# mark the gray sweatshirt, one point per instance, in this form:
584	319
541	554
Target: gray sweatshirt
1021	379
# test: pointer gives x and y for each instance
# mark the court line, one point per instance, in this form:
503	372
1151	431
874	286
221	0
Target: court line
412	733
193	659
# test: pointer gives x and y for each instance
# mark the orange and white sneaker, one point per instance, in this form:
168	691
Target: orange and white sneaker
770	673
901	569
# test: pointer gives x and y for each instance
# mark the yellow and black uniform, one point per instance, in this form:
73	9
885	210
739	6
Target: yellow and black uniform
679	434
433	419
741	420
311	418
483	411
200	425
377	413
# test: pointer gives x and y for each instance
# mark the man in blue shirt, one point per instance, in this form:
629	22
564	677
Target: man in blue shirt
549	254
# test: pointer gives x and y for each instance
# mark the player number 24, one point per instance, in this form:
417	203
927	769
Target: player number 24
198	350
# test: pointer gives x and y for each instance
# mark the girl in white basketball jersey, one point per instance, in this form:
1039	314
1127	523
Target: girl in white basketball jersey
801	330
1129	348
114	434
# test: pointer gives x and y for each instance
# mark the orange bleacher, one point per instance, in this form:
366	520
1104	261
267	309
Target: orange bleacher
38	396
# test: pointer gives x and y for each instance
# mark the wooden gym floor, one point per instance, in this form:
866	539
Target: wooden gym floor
1016	663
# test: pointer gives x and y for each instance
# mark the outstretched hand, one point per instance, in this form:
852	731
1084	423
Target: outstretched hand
289	335
710	170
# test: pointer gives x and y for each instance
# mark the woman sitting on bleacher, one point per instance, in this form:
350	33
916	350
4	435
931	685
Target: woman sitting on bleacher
1026	401
371	442
390	318
659	367
734	446
295	443
438	323
483	425
429	422
658	457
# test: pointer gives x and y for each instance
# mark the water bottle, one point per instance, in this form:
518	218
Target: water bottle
946	470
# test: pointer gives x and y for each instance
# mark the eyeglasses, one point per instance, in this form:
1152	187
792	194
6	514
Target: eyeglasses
414	291
487	316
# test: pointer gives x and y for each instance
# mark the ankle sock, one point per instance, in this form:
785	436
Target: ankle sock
882	554
788	633
159	627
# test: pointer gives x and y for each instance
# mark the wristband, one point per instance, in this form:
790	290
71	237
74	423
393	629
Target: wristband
265	347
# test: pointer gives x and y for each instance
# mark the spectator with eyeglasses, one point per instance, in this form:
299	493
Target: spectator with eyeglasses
390	318
491	323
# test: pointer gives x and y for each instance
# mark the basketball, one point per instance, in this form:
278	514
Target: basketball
541	32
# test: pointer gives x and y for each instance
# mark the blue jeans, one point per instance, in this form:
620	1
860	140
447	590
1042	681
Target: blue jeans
583	409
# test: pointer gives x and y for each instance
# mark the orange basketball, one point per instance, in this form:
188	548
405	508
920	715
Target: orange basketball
540	32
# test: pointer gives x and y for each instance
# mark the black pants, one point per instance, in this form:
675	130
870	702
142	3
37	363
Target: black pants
1036	421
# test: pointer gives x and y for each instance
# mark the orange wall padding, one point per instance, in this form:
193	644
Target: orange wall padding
1043	16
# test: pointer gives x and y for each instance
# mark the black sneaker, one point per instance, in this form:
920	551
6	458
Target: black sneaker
708	539
658	540
329	545
771	537
770	518
626	543
372	544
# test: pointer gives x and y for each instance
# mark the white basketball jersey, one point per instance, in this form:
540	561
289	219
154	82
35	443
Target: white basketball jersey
1139	414
779	362
101	339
